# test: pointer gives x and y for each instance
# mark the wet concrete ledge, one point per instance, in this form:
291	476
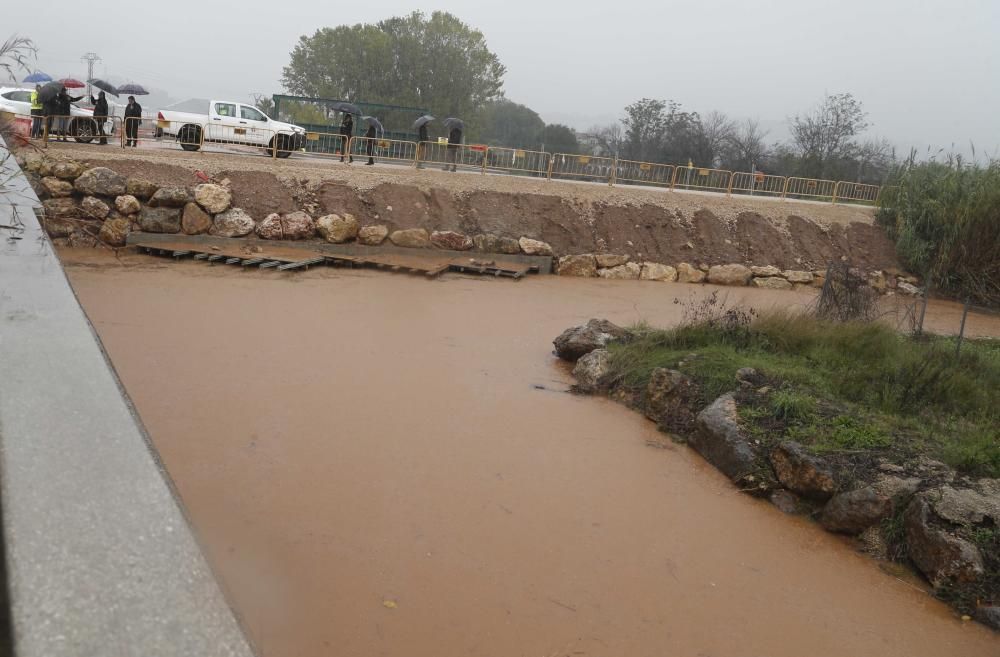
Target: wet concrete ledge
100	559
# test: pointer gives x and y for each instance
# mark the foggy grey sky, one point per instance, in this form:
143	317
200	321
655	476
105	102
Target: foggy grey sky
926	71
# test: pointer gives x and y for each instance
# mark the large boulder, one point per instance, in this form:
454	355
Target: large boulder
768	271
372	235
940	555
234	222
213	198
60	226
577	265
772	283
854	511
606	260
535	247
802	472
170	197
794	276
68	170
270	227
127	204
729	275
57	188
593	370
574	343
140	188
337	229
100	181
60	207
721	441
297	226
414	238
449	239
160	220
628	271
490	243
194	220
978	505
114	231
654	271
94	207
661	391
688	273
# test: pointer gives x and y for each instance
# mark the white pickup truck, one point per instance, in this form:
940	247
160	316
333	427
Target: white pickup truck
227	122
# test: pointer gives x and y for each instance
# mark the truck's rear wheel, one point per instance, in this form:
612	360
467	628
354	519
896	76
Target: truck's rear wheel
83	130
189	137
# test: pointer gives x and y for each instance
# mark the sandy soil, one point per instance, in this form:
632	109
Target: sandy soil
383	465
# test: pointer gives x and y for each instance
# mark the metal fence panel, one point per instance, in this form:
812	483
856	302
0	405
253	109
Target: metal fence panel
696	178
517	160
810	188
458	156
856	192
758	183
581	167
643	173
393	150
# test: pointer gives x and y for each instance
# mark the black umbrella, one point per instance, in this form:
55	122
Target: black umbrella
50	91
132	89
104	86
451	122
346	108
371	120
422	121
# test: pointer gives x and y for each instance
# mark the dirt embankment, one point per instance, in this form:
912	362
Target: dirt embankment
646	224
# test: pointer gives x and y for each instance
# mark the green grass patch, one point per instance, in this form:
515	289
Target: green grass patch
837	387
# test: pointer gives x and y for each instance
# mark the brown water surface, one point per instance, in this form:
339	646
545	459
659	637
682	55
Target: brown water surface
380	464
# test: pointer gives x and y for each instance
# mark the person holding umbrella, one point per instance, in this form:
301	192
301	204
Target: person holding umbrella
64	108
454	141
100	115
370	141
346	130
133	117
36	113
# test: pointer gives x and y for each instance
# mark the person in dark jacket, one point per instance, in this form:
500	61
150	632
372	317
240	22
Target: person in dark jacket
100	115
421	138
346	130
50	108
65	107
133	118
454	141
370	141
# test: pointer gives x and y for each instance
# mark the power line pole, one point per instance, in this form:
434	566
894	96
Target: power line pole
91	58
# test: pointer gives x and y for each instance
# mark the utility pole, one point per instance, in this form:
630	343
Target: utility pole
91	58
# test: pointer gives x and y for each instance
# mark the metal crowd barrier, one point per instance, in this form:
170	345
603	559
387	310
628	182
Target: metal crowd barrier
392	150
81	129
326	144
244	136
142	130
643	173
859	192
757	183
700	178
501	159
810	188
581	167
461	156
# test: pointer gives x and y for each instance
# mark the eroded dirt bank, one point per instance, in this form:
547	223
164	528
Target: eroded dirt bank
347	440
644	223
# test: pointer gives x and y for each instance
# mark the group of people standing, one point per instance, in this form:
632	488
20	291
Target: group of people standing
347	131
56	113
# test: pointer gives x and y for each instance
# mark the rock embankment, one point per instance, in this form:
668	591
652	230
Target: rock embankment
947	525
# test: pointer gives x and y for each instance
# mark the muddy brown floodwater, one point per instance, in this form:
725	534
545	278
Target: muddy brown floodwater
380	464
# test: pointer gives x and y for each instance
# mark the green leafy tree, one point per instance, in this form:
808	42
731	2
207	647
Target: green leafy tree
645	124
506	123
558	138
825	136
437	62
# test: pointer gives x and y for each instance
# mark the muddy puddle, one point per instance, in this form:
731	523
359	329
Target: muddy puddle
379	464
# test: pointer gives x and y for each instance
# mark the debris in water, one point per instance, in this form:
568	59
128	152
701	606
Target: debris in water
389	604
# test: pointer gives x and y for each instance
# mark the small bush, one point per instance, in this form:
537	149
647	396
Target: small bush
789	405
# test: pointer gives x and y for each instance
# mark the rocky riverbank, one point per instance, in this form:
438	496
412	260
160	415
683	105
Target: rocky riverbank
853	472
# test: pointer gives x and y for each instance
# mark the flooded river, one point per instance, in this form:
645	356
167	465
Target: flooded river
380	464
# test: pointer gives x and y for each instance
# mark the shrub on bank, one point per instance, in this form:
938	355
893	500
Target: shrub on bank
944	219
